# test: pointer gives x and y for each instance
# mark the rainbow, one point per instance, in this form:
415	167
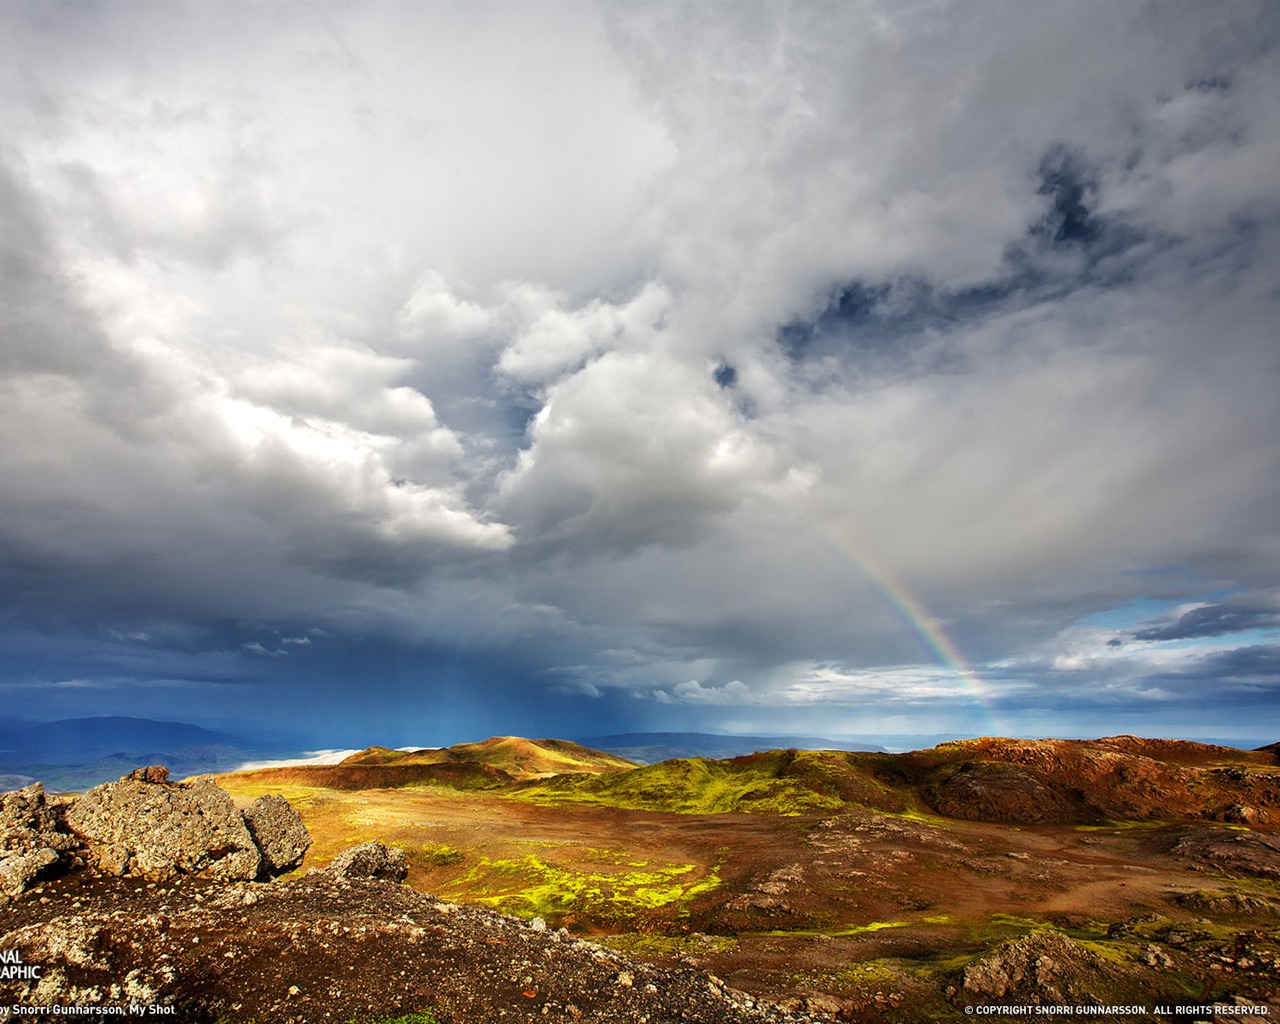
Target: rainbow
918	619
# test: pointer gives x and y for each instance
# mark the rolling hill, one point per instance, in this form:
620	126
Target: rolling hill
997	780
862	882
652	747
1119	778
490	764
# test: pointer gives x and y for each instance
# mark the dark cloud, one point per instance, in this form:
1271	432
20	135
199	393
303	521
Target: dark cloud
533	362
1212	620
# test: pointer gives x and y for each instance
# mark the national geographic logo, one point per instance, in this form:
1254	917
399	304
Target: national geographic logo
13	969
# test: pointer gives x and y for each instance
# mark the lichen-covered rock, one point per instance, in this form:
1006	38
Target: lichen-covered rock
370	860
32	837
279	833
159	829
19	871
29	822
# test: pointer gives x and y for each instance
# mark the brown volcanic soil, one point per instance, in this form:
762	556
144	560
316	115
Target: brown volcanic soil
321	948
858	915
856	912
852	917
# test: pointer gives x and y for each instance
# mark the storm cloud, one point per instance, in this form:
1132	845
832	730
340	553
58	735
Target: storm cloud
444	369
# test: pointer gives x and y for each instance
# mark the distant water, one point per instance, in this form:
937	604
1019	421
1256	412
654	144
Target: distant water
308	757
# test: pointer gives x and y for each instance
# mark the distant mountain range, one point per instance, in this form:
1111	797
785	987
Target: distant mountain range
653	747
76	753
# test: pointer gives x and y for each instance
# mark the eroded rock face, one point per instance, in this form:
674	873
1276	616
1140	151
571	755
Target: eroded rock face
159	829
278	832
370	860
33	836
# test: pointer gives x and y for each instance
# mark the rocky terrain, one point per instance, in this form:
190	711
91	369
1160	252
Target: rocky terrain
154	894
330	946
863	887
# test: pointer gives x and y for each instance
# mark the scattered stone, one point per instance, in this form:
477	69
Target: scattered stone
1154	956
1232	852
1230	903
370	860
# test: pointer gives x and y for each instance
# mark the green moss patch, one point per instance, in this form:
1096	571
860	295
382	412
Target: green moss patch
530	887
784	782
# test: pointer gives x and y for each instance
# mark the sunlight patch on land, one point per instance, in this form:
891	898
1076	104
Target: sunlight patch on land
530	887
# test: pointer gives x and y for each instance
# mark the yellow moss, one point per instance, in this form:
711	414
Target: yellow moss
644	944
530	887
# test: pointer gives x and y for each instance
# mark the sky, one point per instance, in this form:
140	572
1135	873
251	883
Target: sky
410	373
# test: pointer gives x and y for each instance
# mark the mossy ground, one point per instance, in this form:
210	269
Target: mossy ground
885	898
532	887
781	782
651	945
421	1017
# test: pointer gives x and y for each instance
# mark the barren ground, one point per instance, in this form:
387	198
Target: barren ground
860	911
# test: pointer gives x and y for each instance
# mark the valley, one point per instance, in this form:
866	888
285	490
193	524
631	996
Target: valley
832	881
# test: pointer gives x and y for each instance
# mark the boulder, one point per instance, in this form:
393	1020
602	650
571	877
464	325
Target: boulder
279	833
151	773
160	829
33	835
370	860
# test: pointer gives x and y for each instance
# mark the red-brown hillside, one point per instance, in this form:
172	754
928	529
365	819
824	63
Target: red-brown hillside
1118	777
489	764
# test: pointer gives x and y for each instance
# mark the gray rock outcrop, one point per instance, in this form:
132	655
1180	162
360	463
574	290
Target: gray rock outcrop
278	833
33	837
145	825
370	860
159	829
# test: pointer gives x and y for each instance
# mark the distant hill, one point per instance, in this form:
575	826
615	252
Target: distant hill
73	741
76	753
652	747
1122	778
489	764
1116	778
